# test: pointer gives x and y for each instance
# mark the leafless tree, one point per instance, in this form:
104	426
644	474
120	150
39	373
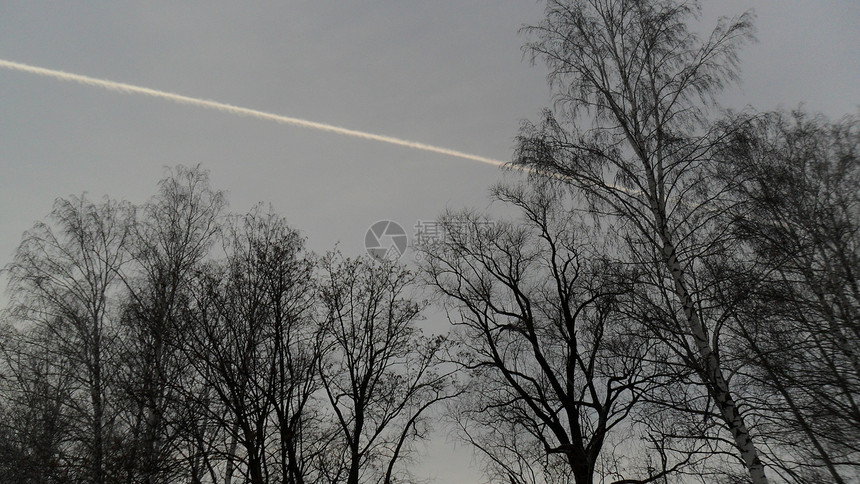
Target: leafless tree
63	279
795	302
172	236
379	373
38	423
253	344
633	87
556	364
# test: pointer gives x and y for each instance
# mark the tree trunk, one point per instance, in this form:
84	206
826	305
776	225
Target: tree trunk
231	455
583	472
711	372
98	410
354	464
255	465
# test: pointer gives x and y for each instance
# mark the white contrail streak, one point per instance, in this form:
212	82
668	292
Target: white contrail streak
227	108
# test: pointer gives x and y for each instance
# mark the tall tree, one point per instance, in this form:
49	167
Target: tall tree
254	346
556	366
63	277
171	239
633	87
796	217
379	373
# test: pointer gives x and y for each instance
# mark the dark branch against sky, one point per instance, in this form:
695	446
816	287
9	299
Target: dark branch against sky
444	73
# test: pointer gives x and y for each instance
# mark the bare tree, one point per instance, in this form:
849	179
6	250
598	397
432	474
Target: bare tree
254	346
795	301
172	237
556	365
646	82
37	422
62	279
379	374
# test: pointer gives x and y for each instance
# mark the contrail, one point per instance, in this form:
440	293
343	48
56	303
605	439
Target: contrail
227	108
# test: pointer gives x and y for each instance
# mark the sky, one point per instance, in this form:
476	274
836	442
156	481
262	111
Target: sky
443	72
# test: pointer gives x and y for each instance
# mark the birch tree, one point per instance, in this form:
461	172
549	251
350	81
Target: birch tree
172	236
64	279
796	271
630	134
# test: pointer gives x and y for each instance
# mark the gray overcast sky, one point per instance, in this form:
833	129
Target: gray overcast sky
442	72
